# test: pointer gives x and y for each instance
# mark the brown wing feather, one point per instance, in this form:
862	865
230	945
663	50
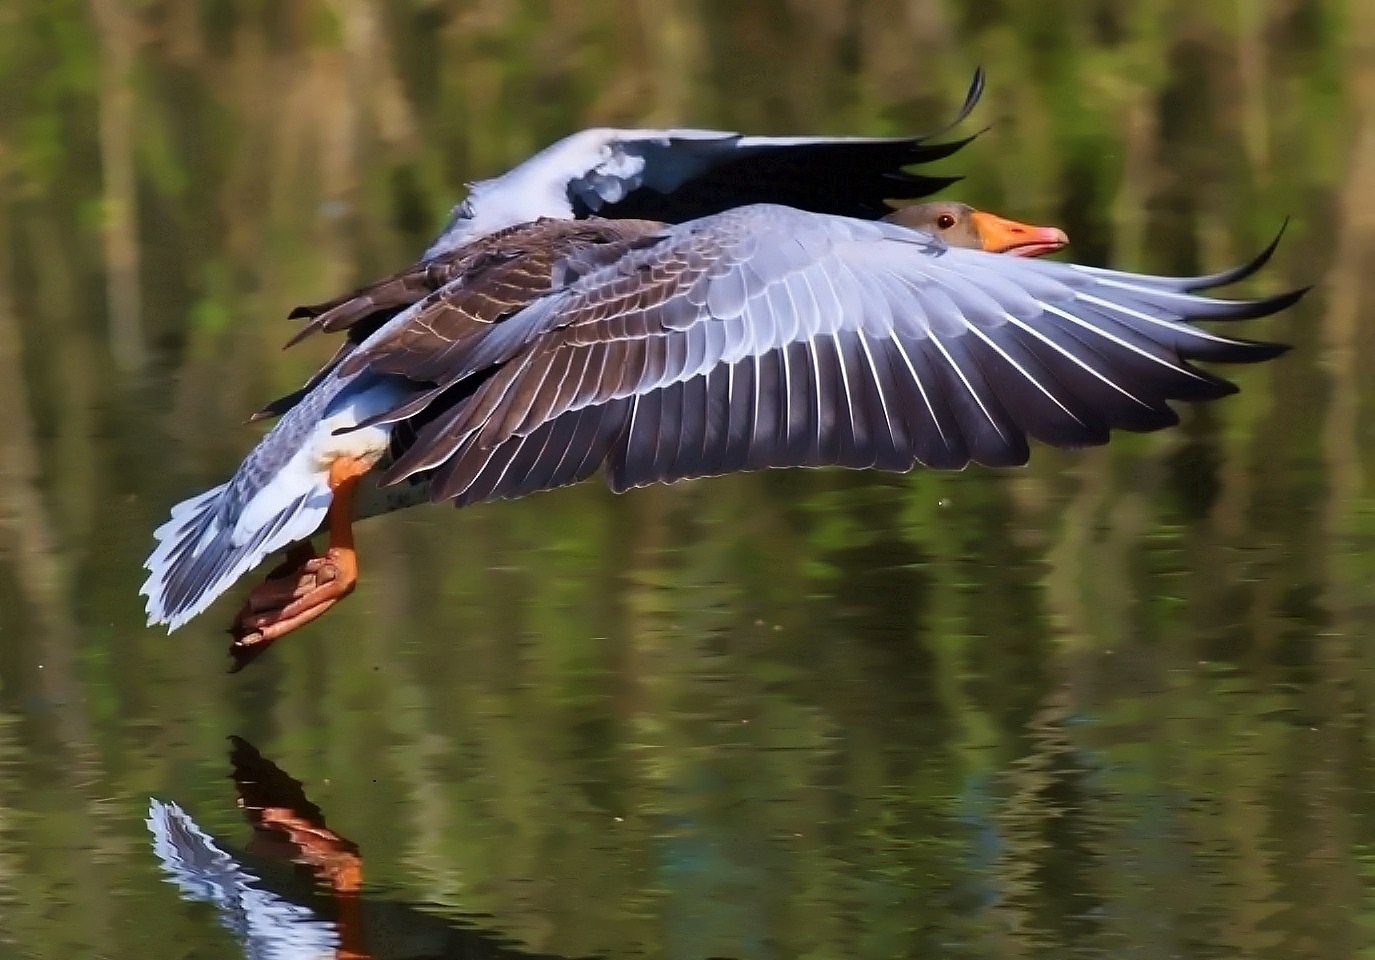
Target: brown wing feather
625	336
387	296
497	277
361	313
408	286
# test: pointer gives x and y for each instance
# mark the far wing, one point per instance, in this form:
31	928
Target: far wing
685	174
676	175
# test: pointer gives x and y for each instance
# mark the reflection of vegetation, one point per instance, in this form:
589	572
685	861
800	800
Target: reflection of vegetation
1120	697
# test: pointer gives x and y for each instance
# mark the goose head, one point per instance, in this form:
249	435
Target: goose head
961	225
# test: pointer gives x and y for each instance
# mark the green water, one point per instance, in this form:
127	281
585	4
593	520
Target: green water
1116	704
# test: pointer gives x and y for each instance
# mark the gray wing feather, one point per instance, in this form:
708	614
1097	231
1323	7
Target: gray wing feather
766	336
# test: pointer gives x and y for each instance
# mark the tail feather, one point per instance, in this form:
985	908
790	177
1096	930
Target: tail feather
279	495
266	924
191	858
197	559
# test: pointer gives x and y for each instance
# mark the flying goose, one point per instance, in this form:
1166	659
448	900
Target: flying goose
762	336
527	350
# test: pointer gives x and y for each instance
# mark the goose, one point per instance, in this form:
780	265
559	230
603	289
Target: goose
529	357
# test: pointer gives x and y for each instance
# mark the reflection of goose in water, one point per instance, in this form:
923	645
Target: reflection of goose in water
273	915
782	332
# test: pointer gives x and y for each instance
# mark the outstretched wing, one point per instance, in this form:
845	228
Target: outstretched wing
686	176
769	337
680	175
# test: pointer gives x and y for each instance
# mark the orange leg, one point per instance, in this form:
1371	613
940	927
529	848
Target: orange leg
304	586
289	834
287	826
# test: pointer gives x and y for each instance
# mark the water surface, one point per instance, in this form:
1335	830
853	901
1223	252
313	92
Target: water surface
1112	705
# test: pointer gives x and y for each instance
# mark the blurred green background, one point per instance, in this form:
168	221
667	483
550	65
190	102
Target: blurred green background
1114	704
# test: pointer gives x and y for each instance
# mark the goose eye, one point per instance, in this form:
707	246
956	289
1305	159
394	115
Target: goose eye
945	221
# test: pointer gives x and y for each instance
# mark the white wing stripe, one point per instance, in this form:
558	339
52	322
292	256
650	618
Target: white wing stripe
786	400
849	405
878	388
819	407
1075	360
967	385
630	421
1177	326
916	378
1106	279
754	414
1112	338
1023	371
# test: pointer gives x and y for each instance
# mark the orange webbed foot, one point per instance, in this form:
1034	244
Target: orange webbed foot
305	585
291	599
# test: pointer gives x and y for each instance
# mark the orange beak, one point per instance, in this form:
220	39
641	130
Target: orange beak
1019	239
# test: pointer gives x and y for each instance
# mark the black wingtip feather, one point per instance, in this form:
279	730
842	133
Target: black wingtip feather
1242	351
1259	307
1238	273
930	185
930	152
971	100
1281	301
